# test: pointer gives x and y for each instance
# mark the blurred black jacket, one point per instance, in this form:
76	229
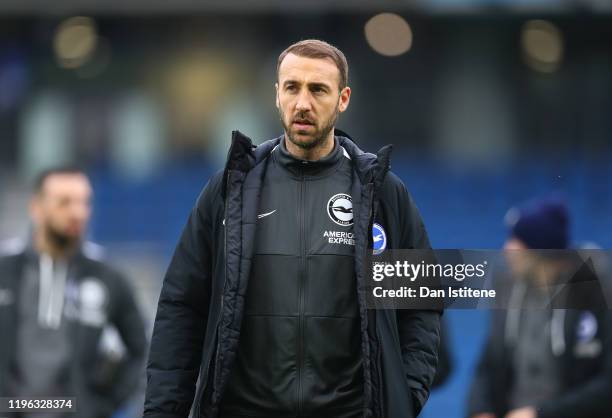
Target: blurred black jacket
200	309
101	381
445	360
585	365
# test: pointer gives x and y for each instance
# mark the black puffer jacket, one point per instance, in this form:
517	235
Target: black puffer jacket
202	303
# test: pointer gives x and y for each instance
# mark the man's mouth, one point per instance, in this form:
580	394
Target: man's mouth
302	123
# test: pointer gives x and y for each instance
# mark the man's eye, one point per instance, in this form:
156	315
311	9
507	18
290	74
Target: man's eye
317	90
291	88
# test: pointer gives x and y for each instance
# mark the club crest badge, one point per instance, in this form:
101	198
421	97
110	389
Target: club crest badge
340	209
379	239
587	327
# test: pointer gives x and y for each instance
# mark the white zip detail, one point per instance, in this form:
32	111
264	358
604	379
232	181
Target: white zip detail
513	314
44	290
51	292
557	332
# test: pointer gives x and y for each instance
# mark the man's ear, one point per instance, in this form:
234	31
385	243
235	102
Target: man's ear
344	99
277	102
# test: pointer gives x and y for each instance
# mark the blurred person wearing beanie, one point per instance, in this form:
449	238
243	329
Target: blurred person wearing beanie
539	224
549	355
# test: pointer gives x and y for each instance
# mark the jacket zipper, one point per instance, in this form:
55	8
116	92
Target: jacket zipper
218	349
301	292
377	356
378	363
227	191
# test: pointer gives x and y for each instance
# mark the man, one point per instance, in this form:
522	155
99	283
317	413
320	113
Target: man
62	309
550	354
264	299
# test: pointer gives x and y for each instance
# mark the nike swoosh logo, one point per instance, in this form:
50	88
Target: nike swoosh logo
263	215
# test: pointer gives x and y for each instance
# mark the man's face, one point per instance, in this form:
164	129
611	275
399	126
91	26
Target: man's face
519	258
62	208
308	98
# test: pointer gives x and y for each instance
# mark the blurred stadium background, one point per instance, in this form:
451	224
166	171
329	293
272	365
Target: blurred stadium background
488	103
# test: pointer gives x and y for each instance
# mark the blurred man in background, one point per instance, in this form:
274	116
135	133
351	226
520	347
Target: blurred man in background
549	355
263	300
70	324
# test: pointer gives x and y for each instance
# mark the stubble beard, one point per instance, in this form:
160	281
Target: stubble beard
319	136
60	240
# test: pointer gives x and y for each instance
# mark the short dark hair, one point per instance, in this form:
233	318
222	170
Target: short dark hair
315	48
40	179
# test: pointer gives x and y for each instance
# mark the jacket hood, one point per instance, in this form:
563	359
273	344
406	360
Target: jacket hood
243	155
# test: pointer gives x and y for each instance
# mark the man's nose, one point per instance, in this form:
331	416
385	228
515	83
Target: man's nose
79	212
303	101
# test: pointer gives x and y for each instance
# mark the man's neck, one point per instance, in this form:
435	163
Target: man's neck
547	274
313	154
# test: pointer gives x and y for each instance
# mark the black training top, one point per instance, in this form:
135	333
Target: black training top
300	346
